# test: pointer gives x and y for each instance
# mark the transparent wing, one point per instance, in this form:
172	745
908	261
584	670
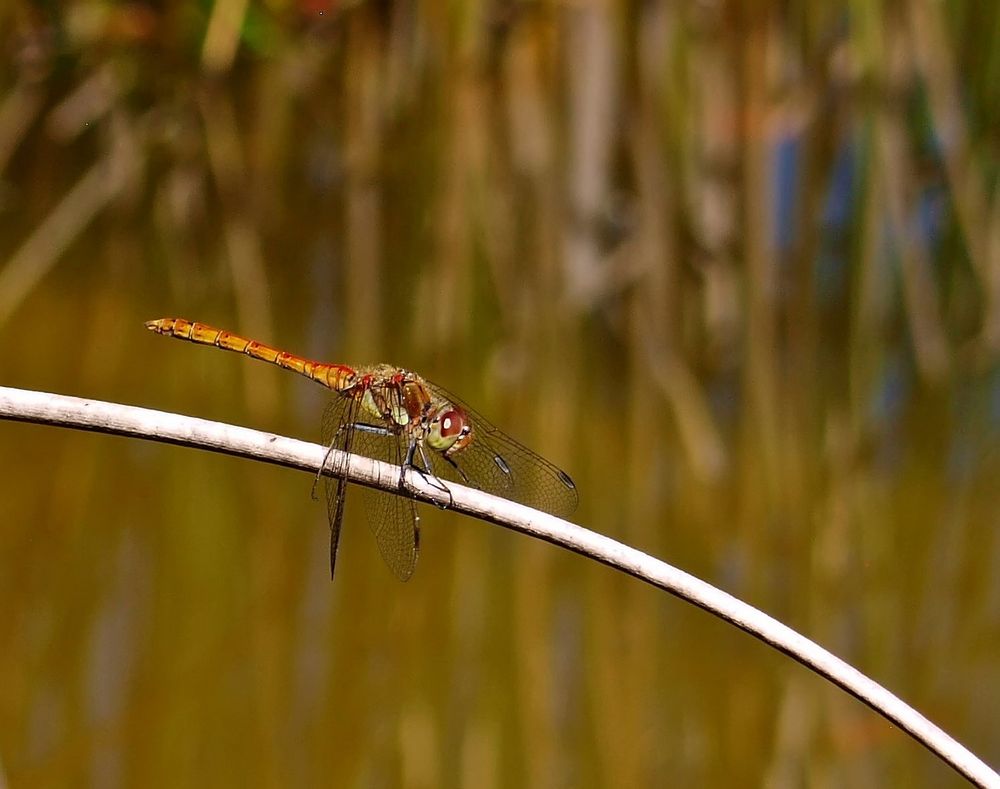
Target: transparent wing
337	416
393	519
496	463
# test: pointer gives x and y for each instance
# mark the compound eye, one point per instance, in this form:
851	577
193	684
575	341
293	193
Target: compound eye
448	428
452	423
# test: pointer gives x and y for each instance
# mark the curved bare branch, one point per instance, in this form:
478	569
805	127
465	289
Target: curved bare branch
44	408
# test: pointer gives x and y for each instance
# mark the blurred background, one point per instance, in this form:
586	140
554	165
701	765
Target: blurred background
733	265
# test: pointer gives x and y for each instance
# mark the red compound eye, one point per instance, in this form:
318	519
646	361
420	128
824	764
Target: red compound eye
449	430
451	423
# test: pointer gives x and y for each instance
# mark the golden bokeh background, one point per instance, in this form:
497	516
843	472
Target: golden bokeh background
734	265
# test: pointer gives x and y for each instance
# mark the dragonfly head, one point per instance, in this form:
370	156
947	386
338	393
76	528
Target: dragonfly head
448	429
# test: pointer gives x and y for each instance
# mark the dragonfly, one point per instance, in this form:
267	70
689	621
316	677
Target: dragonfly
394	415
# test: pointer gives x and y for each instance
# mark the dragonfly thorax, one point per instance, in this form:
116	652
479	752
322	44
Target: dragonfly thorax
402	402
391	399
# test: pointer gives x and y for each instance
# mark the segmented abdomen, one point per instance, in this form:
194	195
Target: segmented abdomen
335	376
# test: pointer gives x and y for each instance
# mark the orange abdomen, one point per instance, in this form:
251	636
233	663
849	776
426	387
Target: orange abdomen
335	376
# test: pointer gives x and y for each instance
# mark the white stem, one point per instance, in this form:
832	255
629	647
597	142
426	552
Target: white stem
117	419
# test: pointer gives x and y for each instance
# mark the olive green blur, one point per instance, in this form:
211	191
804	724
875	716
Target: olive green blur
734	266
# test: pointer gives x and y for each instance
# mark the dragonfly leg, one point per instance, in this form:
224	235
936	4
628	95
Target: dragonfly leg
322	468
333	444
425	473
461	473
